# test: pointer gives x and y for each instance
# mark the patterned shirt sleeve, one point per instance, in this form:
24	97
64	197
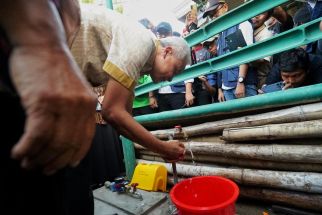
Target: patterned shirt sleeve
131	47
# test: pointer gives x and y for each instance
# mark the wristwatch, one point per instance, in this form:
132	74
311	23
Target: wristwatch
240	79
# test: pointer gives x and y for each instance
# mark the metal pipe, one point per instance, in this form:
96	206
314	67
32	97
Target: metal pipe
299	95
232	18
109	4
129	157
174	167
293	38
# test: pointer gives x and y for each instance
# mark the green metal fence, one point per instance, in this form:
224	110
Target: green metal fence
295	37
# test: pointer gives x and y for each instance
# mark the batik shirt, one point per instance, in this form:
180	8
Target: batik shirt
111	43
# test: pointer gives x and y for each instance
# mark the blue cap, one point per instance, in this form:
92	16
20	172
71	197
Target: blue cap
164	28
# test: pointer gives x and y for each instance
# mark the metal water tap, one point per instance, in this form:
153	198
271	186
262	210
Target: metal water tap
134	185
177	129
180	133
134	192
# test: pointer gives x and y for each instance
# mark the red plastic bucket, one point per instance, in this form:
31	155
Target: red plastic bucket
205	195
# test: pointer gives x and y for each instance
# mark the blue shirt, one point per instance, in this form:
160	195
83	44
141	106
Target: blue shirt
229	77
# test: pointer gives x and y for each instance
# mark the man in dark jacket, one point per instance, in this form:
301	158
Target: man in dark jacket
295	68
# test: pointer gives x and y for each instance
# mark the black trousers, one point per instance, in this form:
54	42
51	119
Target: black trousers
202	97
30	192
171	101
106	156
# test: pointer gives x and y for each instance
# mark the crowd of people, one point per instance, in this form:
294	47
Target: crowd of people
297	67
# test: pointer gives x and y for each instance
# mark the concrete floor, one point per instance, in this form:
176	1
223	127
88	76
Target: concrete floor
111	203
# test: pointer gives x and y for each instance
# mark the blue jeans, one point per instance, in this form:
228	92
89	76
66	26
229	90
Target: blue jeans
250	90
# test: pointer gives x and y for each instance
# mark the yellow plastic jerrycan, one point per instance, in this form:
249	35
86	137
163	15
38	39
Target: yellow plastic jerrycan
151	177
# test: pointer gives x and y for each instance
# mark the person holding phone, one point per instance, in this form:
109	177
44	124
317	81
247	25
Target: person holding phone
295	68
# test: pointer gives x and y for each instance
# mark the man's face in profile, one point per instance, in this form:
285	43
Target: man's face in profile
295	78
166	65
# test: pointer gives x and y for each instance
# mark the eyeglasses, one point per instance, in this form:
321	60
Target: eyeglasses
214	13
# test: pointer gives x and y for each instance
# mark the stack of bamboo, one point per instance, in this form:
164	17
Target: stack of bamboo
276	158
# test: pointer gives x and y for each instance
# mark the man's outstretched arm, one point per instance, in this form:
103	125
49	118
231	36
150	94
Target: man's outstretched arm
58	102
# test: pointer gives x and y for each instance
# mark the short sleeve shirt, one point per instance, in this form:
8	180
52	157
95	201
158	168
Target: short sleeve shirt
111	43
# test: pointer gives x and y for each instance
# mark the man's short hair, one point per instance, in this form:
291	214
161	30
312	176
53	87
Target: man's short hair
181	47
293	59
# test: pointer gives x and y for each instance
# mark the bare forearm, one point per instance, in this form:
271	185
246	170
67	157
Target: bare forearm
188	87
33	23
243	68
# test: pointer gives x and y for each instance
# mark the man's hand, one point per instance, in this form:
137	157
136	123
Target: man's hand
59	106
260	91
202	78
287	86
240	91
189	99
221	97
153	102
173	150
188	95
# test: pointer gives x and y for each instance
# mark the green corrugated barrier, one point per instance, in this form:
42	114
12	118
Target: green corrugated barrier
276	99
301	35
109	4
231	18
129	156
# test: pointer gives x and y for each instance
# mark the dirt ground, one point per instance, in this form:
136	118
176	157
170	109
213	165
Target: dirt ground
246	207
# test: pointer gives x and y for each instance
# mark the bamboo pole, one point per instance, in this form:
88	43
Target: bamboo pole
308	129
248	163
298	181
270	152
294	114
293	211
297	199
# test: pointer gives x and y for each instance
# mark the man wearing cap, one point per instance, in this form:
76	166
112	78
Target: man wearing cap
205	86
240	81
178	95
